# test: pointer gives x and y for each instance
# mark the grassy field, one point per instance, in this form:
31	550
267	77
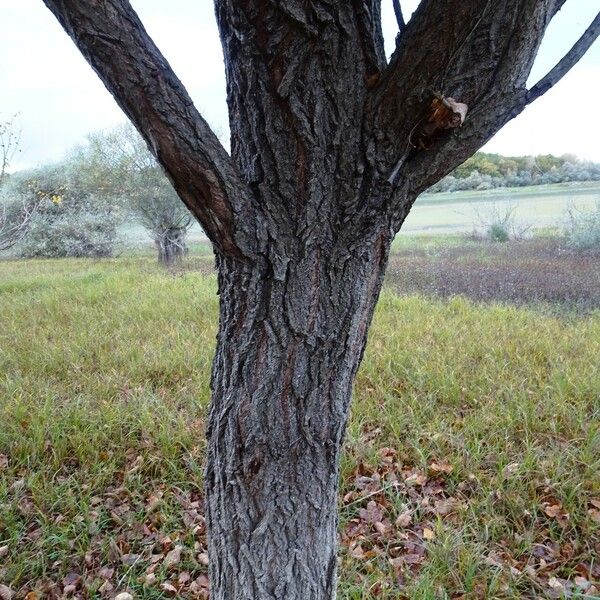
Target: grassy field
471	466
534	207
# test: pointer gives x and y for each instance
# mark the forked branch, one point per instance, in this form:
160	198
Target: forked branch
112	38
581	46
485	68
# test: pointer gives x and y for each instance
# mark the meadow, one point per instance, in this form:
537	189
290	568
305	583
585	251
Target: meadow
461	212
470	470
533	207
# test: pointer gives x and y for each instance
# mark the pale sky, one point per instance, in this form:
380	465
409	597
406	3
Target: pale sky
60	99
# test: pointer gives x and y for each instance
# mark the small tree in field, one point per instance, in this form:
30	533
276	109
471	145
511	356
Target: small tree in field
9	146
122	165
14	216
330	146
159	210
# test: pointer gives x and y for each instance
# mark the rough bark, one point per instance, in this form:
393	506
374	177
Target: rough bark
321	176
288	350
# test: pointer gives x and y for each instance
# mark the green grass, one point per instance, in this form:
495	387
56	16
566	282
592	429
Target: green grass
104	370
539	206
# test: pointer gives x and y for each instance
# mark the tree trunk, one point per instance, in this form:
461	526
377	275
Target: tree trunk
171	246
288	350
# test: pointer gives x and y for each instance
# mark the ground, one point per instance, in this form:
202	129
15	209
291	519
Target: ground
471	465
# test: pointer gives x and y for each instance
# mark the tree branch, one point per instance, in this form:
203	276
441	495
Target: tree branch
483	55
399	16
113	40
581	46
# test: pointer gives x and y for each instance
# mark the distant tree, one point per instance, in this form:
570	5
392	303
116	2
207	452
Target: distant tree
121	164
331	145
15	216
486	171
9	145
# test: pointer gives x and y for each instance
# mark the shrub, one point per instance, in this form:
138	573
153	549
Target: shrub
497	223
72	221
73	234
498	232
583	229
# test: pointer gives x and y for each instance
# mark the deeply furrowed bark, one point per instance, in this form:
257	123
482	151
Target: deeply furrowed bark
293	325
321	177
287	354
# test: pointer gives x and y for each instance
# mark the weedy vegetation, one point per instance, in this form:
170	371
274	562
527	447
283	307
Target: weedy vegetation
471	461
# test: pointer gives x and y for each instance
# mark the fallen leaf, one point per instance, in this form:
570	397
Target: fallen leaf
413	559
556	511
381	528
594	514
404	519
447	506
372	514
173	558
167	587
428	534
510	469
184	577
106	572
130	559
582	582
71	580
5	592
416	479
106	588
441	467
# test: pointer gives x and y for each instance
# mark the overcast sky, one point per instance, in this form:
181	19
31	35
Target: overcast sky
60	99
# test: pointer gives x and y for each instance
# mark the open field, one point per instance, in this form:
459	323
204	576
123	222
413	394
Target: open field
471	467
538	206
535	206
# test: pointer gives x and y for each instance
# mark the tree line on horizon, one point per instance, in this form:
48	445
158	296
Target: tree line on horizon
485	171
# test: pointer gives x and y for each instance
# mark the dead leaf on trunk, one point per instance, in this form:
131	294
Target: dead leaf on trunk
443	113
